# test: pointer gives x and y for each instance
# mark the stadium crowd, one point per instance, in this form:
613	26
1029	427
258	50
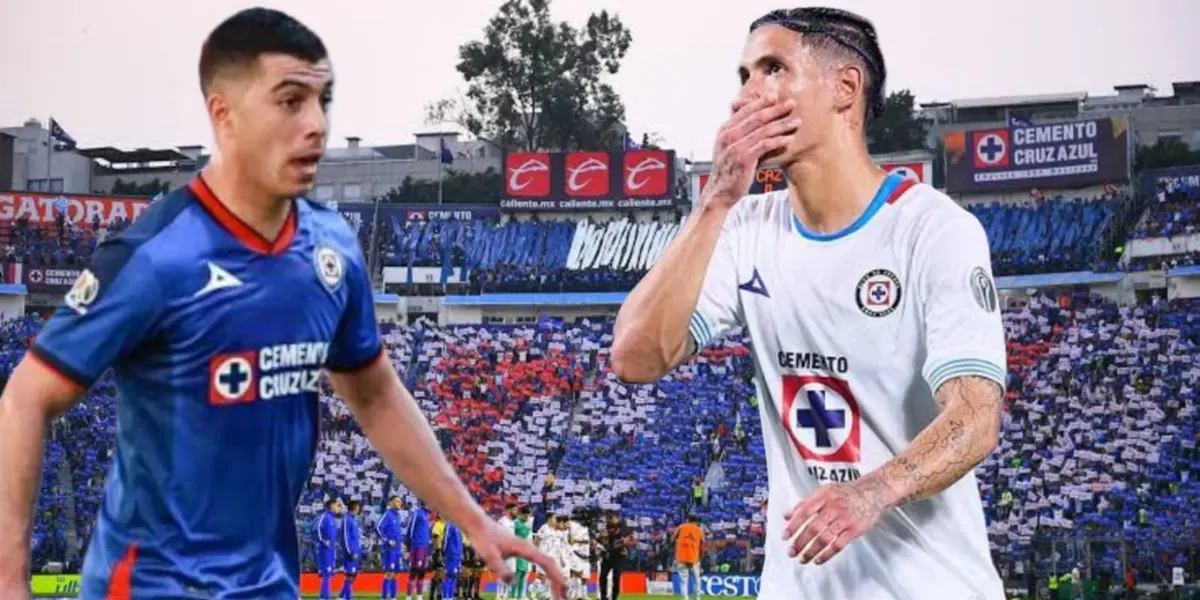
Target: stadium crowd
1099	438
1099	434
1039	236
1172	211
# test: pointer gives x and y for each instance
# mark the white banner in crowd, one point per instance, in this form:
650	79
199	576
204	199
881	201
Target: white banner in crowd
619	245
1163	246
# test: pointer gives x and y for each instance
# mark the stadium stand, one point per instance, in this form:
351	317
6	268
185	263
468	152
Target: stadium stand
1173	211
58	244
1048	236
1044	236
1098	449
1099	439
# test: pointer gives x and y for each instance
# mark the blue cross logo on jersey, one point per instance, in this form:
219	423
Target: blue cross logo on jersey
821	416
755	285
879	293
234	376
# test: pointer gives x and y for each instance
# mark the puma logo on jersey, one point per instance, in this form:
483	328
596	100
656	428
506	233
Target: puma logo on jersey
755	285
218	279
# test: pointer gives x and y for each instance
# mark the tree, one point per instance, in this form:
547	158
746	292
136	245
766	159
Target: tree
537	84
458	187
133	188
1166	152
898	127
652	141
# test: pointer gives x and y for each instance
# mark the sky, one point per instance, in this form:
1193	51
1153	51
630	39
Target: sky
123	72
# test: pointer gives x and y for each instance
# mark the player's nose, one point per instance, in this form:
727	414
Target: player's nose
753	90
316	123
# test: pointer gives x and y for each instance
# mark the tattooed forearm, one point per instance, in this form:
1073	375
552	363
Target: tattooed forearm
961	437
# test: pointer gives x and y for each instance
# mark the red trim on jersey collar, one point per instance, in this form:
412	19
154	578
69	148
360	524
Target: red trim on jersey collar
245	234
902	187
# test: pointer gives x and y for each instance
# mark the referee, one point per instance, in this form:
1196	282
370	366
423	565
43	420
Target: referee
614	541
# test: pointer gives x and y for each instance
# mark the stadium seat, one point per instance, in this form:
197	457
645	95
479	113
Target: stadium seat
1099	434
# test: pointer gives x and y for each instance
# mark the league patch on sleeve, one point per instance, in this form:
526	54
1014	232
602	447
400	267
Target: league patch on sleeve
984	290
83	292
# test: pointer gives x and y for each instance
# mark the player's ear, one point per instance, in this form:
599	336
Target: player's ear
217	103
848	82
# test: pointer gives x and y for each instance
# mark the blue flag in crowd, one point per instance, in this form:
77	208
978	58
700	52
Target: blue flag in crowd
1015	120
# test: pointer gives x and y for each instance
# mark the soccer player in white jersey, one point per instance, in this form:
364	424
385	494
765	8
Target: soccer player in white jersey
873	318
580	540
507	521
551	539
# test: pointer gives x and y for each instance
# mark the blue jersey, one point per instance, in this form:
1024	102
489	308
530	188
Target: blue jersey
351	539
327	532
388	529
418	534
216	337
452	544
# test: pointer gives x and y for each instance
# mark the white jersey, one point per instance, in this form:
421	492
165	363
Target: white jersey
581	545
508	525
553	542
851	334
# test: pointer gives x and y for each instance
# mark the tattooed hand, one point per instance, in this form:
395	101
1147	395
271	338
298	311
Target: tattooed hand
834	516
943	453
758	127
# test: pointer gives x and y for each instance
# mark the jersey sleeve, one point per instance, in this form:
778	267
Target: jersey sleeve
963	332
110	310
356	342
717	309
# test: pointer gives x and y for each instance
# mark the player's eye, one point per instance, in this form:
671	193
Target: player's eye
291	103
774	68
326	100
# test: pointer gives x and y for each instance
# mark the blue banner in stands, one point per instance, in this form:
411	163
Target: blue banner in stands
1169	180
1056	155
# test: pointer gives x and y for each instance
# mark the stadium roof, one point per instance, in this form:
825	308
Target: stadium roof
1001	101
116	156
1185	88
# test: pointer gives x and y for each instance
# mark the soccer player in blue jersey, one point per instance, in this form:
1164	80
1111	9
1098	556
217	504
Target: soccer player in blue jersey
389	531
327	536
452	557
418	537
351	540
217	310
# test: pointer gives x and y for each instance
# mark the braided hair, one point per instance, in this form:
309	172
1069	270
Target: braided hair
839	32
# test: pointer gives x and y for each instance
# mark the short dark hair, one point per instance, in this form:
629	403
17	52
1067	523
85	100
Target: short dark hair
354	505
330	502
510	506
241	39
841	34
